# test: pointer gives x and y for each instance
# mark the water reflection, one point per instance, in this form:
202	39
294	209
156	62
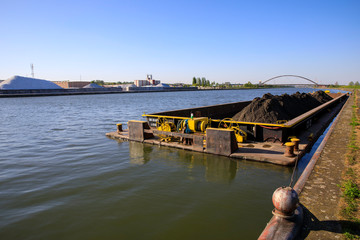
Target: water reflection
221	170
139	153
217	168
210	167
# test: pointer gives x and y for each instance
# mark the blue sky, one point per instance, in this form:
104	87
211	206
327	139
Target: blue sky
224	41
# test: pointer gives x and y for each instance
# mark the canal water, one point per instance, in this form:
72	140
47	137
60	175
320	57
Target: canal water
61	178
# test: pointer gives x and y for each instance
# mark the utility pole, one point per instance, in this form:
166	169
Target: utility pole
32	70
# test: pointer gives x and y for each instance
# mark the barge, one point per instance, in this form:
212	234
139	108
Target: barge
210	129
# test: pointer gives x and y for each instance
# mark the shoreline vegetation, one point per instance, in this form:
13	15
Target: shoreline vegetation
350	86
201	84
205	84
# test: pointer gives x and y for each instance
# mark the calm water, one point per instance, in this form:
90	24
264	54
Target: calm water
61	178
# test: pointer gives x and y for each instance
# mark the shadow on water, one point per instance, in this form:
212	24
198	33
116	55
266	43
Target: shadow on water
217	168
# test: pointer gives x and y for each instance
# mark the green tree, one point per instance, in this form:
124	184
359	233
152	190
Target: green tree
248	85
203	81
198	81
357	83
98	82
194	81
207	83
351	83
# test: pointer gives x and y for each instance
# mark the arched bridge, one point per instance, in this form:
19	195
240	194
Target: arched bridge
290	76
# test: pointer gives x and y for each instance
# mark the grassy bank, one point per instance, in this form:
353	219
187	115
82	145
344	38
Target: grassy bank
344	87
350	212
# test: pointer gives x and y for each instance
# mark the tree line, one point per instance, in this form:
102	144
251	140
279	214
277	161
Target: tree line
350	85
202	82
101	82
354	84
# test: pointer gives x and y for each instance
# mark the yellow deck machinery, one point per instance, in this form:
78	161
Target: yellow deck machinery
196	125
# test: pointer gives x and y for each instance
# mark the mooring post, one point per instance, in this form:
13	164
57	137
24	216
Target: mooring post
119	127
289	150
296	142
285	201
288	216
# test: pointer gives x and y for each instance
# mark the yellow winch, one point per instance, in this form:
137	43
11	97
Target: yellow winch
198	124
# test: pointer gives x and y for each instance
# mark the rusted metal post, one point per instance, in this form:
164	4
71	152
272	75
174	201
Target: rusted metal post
285	201
119	127
296	141
288	216
289	150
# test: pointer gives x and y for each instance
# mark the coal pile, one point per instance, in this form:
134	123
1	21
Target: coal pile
270	108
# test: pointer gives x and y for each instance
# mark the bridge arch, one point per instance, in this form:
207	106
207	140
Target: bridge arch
290	76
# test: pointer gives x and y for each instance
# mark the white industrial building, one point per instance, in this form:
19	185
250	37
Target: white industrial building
147	82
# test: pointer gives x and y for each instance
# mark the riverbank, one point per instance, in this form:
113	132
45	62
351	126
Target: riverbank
321	194
82	91
112	90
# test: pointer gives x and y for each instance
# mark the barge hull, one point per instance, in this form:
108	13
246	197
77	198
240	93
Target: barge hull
307	127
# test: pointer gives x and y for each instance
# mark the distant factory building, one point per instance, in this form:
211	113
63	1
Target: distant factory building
71	84
147	82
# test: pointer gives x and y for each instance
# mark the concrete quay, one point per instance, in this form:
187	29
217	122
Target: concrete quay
321	193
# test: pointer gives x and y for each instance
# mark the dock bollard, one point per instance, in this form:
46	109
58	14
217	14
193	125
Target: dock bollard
296	142
288	216
285	200
119	127
289	150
